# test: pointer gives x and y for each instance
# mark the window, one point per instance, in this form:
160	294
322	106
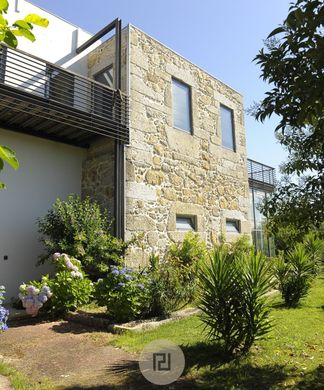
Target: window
181	96
186	223
61	86
227	128
233	226
103	104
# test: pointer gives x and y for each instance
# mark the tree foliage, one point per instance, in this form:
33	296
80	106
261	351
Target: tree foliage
20	28
292	62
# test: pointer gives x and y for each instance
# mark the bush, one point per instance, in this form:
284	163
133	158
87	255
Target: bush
233	300
191	251
125	293
294	273
68	289
4	313
81	229
171	287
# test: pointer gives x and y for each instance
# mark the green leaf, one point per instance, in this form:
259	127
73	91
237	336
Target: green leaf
23	24
36	19
3	21
4	5
276	31
9	156
10	39
2	186
24	33
1	164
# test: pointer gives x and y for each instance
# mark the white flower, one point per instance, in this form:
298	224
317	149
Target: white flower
56	255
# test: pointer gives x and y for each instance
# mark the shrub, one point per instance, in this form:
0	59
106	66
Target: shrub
171	287
69	288
294	273
314	248
4	313
232	299
125	293
191	251
81	229
34	295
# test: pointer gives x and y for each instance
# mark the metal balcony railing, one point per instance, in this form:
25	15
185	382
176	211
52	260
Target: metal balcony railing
47	96
261	174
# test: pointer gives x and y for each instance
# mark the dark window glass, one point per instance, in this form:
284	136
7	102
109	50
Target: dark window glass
181	106
227	127
185	223
233	225
61	86
103	104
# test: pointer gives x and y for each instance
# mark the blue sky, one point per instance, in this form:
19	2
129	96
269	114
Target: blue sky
221	36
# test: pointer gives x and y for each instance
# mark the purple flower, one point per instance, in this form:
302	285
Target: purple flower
139	285
120	284
128	277
115	272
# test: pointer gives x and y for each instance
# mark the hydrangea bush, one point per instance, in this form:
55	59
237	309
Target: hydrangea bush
68	289
125	293
4	313
34	297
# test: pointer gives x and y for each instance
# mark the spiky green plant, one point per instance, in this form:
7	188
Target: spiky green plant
294	274
232	299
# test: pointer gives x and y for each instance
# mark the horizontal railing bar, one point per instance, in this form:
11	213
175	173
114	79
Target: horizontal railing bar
99	122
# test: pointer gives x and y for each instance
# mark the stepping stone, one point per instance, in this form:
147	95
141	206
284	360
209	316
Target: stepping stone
5	383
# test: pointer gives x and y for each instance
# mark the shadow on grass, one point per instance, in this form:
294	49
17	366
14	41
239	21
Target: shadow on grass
313	380
216	370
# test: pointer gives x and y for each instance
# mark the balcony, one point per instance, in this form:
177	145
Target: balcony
45	100
261	176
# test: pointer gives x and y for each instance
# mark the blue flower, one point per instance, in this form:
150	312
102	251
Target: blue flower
139	285
128	277
120	284
115	272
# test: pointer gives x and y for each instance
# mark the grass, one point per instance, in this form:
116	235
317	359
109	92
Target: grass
291	356
19	381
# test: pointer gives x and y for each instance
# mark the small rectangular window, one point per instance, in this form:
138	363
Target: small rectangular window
227	127
186	223
181	95
233	226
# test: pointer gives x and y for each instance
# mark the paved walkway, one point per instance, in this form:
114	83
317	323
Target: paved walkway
70	355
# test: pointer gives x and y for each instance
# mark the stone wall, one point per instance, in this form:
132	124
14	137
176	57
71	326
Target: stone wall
98	178
171	172
98	174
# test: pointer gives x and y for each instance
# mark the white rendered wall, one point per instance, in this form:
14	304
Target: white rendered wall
48	170
56	43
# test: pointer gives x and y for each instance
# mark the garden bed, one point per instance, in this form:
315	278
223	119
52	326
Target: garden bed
98	320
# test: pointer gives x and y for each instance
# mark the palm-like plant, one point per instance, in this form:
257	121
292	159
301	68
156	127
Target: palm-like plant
232	299
294	275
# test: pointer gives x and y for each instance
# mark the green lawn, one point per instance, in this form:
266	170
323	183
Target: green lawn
292	355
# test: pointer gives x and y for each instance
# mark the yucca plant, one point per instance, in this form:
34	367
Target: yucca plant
294	275
232	299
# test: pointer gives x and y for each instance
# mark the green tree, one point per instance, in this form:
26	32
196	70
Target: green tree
292	62
8	35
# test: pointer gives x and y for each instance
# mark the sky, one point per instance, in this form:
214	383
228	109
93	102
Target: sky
220	36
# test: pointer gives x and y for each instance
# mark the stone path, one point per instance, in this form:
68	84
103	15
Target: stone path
4	383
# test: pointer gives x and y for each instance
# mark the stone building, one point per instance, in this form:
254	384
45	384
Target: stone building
156	140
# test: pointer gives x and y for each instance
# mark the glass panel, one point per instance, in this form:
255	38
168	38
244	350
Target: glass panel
185	223
103	104
232	225
181	106
227	127
106	77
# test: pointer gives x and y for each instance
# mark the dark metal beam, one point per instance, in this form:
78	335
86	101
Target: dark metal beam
97	36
